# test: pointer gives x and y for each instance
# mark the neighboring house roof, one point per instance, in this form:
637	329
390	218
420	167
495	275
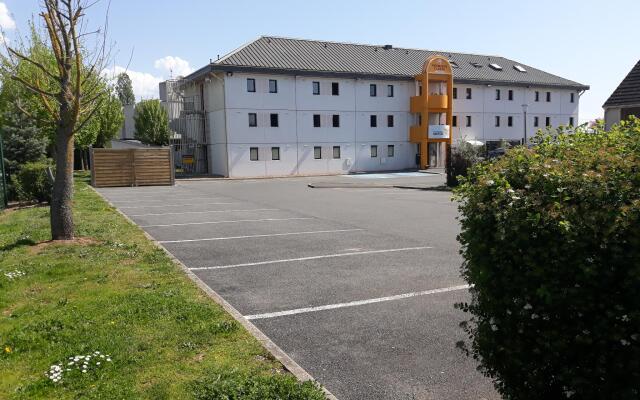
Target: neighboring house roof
313	57
628	92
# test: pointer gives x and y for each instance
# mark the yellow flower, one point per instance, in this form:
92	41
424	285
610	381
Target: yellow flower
7	349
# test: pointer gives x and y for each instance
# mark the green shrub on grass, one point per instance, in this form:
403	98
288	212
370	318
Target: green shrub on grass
233	386
551	244
31	182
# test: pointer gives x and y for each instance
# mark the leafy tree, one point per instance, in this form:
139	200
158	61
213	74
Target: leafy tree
124	89
152	123
551	244
65	89
110	120
23	142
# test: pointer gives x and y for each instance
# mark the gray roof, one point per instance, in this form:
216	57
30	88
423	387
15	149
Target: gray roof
313	57
628	92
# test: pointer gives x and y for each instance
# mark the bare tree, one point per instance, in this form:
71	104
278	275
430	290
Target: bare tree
69	89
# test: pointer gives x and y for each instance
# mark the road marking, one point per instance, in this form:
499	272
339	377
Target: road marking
353	253
354	303
226	222
174	205
205	212
257	236
154	200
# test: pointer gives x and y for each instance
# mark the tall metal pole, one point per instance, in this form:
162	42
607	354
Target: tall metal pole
524	109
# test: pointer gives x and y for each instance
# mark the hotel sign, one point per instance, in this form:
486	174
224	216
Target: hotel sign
438	131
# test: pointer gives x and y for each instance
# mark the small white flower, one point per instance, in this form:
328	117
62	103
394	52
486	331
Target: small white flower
527	306
624	342
490	182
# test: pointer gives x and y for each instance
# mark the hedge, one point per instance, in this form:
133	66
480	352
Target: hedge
551	245
31	182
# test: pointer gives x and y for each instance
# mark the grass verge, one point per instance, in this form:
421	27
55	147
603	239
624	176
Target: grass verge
115	293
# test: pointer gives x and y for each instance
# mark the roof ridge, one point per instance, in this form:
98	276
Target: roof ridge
376	45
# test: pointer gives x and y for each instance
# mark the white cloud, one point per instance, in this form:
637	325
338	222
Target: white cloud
6	21
173	66
145	85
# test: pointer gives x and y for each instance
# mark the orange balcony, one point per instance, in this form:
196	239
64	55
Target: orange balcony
417	104
438	101
417	134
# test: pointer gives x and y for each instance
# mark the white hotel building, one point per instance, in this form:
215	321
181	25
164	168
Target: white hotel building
279	106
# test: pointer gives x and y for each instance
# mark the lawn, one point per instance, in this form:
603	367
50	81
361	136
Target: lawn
150	333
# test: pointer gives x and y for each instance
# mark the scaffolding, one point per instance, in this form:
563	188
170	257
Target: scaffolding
185	110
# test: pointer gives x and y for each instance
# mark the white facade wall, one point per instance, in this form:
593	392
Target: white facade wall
231	138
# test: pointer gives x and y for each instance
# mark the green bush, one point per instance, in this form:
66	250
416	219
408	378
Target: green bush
551	244
459	159
152	123
229	386
31	182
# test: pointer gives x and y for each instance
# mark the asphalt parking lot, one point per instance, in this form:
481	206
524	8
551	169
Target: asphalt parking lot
356	283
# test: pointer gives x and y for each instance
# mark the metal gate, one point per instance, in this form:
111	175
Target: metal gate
3	179
185	110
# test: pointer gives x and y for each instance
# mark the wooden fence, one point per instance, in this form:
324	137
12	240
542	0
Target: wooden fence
132	167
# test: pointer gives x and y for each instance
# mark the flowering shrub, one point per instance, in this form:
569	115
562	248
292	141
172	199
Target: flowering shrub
551	242
81	363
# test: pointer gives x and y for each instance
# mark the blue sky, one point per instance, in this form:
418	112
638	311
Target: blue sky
588	41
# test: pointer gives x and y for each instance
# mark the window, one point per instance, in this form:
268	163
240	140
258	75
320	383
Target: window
253	154
509	121
373	89
497	94
468	120
274	120
253	119
373	121
454	121
455	92
519	68
275	153
374	151
548	97
389	90
335	89
390	121
336	120
468	93
571	121
336	152
316	120
251	85
273	86
537	96
536	121
316	88
497	120
496	67
391	150
510	95
573	98
317	152
547	121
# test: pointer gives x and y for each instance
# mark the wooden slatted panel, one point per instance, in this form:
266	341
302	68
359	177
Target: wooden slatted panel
131	167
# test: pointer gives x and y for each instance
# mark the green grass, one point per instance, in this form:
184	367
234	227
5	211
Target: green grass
122	296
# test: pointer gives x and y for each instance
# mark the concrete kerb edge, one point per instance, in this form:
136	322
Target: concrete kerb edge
322	185
290	365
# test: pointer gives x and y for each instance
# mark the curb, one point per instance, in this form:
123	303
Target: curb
289	364
320	185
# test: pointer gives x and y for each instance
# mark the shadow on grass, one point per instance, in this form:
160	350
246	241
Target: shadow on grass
17	243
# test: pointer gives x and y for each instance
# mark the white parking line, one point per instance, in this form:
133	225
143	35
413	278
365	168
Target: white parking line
226	222
205	212
354	253
354	303
155	200
175	205
257	236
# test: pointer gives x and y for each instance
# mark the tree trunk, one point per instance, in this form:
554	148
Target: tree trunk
62	196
